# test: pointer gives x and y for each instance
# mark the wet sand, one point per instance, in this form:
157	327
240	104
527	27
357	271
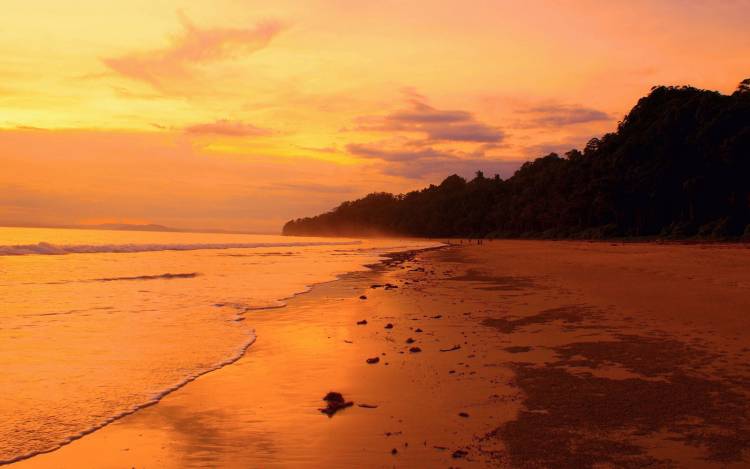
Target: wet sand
530	354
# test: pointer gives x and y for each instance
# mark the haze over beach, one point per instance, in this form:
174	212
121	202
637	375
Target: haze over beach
374	234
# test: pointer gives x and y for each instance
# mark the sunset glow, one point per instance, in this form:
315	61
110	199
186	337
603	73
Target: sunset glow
236	114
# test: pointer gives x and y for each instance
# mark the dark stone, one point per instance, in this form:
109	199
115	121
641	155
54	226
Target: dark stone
459	453
335	402
455	347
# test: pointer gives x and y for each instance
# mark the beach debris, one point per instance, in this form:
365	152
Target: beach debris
517	349
363	297
376	285
455	347
417	330
410	340
415	349
335	402
368	406
362	322
441	448
459	453
373	360
348	341
439	316
389	326
463	414
389	286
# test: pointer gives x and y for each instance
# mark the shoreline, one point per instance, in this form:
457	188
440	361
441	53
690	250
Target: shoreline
387	258
502	334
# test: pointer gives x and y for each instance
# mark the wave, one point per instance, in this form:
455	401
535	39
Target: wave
166	276
61	249
153	400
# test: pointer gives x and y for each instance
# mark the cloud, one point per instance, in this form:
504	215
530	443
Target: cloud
555	115
426	141
442	167
433	124
373	150
418	163
228	128
334	188
193	46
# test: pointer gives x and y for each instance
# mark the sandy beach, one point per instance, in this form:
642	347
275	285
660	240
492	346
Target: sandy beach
505	354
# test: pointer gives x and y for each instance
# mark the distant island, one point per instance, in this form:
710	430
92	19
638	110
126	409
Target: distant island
127	227
678	166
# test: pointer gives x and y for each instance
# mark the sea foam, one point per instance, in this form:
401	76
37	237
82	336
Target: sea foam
61	249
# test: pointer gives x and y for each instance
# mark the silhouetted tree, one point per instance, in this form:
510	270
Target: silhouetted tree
744	86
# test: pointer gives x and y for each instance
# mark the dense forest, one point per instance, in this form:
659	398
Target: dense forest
678	166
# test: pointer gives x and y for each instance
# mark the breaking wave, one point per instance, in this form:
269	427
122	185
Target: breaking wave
61	249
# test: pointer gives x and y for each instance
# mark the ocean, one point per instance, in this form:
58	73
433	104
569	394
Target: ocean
97	324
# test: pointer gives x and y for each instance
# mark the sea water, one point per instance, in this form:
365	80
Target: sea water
97	324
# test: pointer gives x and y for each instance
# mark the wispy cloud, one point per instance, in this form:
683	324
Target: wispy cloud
193	46
557	115
433	124
425	141
379	151
417	163
228	128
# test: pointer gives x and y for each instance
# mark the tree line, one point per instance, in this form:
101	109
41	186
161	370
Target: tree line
678	166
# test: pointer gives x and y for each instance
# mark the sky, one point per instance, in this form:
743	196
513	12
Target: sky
243	114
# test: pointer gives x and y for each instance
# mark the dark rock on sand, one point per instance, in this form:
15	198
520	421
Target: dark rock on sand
410	340
455	347
368	406
459	453
389	326
394	451
517	349
417	330
363	297
362	322
335	402
373	360
463	414
415	349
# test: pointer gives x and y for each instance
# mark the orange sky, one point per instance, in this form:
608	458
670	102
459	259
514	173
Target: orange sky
241	114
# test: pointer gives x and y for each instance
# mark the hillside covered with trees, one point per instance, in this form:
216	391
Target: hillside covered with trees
678	166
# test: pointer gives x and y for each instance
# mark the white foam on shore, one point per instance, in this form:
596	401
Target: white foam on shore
61	249
155	399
